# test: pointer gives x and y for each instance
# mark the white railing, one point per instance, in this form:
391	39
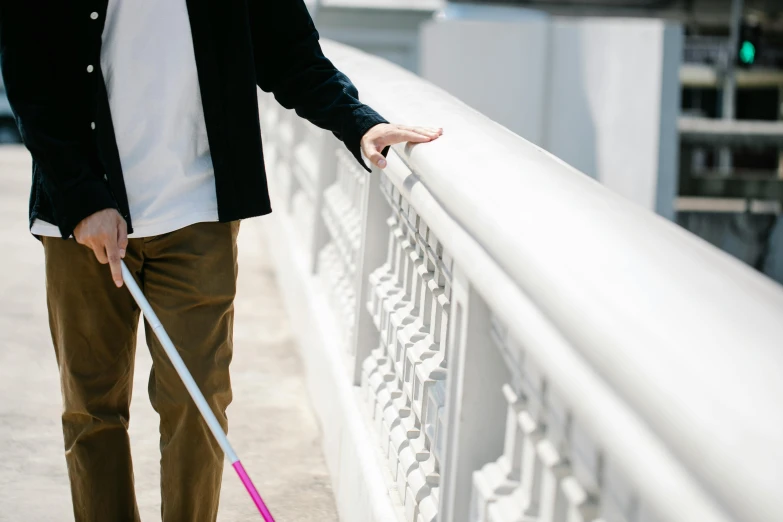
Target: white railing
527	345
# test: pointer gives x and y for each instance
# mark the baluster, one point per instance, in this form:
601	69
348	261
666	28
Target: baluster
402	315
397	298
417	467
582	488
378	371
427	414
534	427
428	508
417	338
553	452
387	284
384	273
428	373
377	277
423	478
500	478
522	504
400	296
409	425
581	506
388	290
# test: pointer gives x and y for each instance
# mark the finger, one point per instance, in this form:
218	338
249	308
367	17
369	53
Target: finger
428	136
113	255
409	136
374	155
377	159
122	237
417	132
100	252
425	131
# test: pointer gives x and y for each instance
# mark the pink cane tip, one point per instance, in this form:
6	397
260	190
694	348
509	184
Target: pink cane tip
250	487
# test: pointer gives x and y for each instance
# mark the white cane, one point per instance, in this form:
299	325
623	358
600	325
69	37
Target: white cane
195	393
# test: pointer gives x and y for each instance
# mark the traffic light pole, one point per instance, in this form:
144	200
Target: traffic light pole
730	81
780	117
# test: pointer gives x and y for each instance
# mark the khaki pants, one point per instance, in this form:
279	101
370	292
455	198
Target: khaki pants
189	277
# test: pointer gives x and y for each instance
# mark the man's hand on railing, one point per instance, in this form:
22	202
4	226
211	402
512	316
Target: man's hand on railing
381	136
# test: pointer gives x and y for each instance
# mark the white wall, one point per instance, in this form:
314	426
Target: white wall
601	94
496	66
391	33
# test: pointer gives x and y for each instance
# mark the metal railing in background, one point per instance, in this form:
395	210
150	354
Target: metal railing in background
522	344
717	50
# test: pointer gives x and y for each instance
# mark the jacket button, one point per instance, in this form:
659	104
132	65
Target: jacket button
92	125
90	68
94	15
106	177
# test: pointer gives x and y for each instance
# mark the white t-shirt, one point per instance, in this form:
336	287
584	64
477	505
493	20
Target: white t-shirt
150	72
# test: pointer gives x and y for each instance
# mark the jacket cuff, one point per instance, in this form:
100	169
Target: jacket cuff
79	202
363	119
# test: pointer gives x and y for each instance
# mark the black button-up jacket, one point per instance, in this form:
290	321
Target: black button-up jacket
50	51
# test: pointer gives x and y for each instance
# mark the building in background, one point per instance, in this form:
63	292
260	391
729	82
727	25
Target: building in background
387	28
731	133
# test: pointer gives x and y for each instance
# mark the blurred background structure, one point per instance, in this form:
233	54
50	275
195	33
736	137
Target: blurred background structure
519	322
689	92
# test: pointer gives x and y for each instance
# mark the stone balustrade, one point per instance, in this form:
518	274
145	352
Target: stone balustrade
489	335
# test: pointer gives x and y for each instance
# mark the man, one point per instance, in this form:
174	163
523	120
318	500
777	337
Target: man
141	117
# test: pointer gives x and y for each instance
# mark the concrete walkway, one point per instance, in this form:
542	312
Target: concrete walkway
272	426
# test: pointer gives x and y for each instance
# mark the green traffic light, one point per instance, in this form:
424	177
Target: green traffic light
747	53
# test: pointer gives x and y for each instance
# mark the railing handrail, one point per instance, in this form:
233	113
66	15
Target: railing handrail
689	337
